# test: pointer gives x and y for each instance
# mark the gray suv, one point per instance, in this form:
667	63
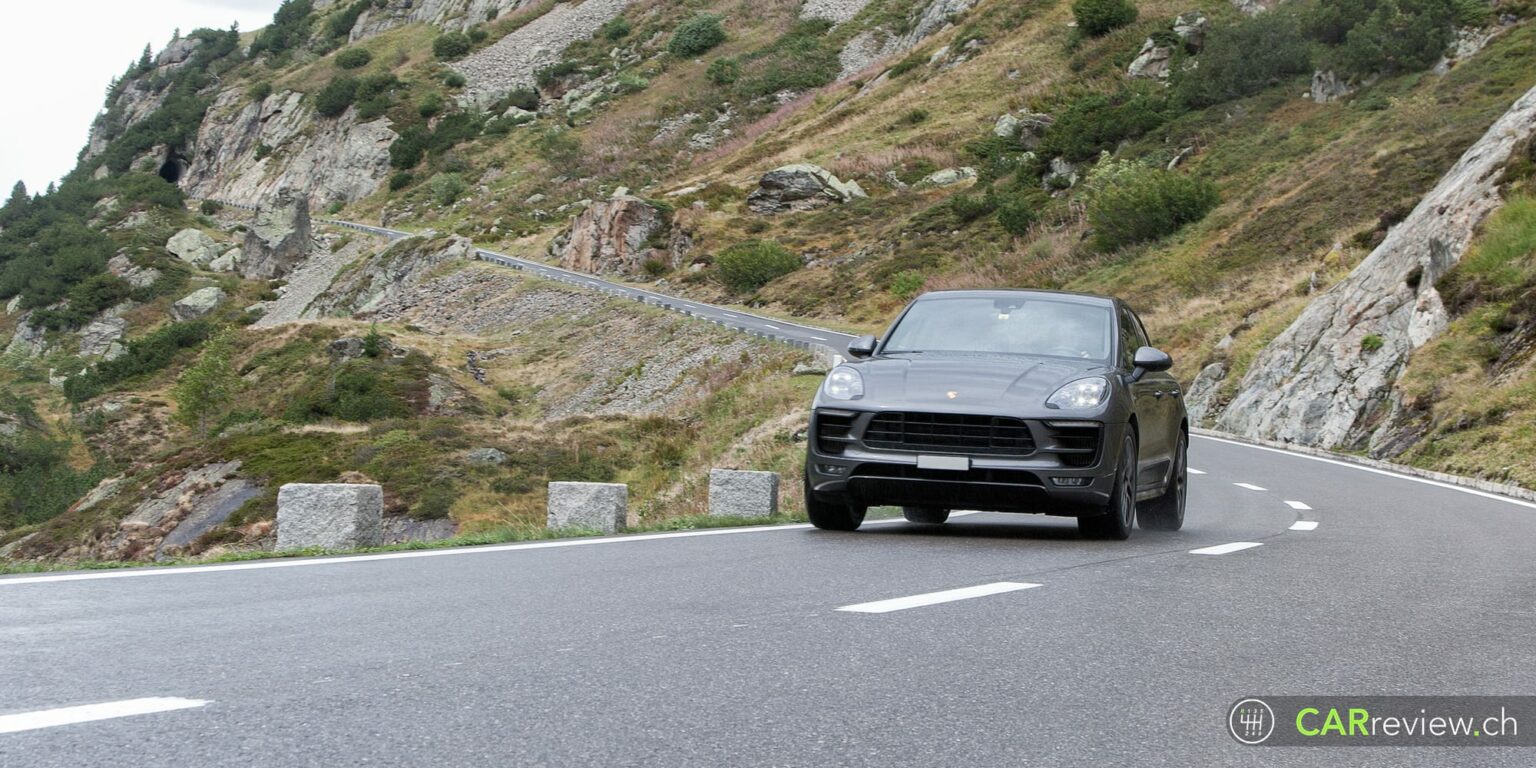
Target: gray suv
1007	401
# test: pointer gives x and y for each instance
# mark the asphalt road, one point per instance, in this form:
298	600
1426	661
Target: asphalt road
723	648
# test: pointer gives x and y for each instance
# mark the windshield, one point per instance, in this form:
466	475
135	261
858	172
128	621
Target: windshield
1014	326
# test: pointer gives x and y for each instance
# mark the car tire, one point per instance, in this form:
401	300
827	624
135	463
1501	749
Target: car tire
925	515
830	515
1166	512
1115	519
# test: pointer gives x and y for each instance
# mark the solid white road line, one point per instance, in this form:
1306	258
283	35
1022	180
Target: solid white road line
819	338
1373	470
50	718
1304	525
1250	486
1194	471
260	565
1297	505
1222	549
934	598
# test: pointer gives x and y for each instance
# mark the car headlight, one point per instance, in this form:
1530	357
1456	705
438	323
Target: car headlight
1083	393
844	384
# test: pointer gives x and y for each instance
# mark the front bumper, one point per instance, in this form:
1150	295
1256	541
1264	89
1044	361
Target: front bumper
1052	479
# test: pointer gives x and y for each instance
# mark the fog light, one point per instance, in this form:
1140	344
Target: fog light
832	469
1070	482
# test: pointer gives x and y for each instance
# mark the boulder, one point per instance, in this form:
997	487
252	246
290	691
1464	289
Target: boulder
13	305
800	187
485	456
1152	62
597	506
737	493
518	115
198	303
29	340
1028	128
101	338
193	246
1191	28
329	516
611	237
1326	87
1255	7
1320	382
228	262
279	238
136	276
948	177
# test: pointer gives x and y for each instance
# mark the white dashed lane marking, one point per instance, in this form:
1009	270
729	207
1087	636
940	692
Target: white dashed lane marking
1297	505
52	718
1223	549
1193	471
935	598
1304	525
1250	486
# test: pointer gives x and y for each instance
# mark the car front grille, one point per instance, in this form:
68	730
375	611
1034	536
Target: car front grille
949	433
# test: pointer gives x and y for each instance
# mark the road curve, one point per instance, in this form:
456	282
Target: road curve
796	334
1012	641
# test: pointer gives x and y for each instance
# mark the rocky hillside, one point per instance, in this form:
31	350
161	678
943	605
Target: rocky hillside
1320	207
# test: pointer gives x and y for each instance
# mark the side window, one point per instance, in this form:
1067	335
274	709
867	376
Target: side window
1141	330
1129	340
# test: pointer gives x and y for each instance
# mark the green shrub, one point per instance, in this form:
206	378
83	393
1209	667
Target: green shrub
656	267
289	28
724	71
477	34
1099	122
430	105
1398	36
400	180
1098	17
406	152
696	35
798	61
1018	211
522	98
451	45
340	25
454	80
1244	58
1133	203
336	97
210	207
906	283
616	29
1371	343
83	301
353	58
260	91
968	208
446	187
752	264
143	356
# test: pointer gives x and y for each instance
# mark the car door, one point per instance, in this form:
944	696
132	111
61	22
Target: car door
1167	393
1147	394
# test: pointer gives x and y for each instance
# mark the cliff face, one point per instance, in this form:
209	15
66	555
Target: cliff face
1328	379
451	15
247	150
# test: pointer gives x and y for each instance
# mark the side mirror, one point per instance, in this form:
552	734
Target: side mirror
1152	360
862	347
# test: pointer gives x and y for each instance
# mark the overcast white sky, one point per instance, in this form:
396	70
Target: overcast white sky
57	56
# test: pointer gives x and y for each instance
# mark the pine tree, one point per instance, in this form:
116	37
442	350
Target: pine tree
146	60
206	389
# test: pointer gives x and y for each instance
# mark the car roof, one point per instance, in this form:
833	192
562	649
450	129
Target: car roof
1003	293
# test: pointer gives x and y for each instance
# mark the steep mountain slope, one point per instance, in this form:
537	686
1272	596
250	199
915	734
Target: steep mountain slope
1222	165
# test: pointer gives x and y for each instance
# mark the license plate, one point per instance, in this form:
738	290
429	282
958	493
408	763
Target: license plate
951	463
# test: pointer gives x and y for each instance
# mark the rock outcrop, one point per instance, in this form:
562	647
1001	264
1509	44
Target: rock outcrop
198	303
193	246
1327	379
1255	7
872	45
392	274
450	15
835	11
101	338
513	61
29	340
1155	60
246	151
1327	87
278	238
611	236
800	187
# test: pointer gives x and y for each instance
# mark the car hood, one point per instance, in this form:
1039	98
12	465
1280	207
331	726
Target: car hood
968	383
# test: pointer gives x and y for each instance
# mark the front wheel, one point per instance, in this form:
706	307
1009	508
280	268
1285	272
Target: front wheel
830	515
1166	512
1119	515
925	515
